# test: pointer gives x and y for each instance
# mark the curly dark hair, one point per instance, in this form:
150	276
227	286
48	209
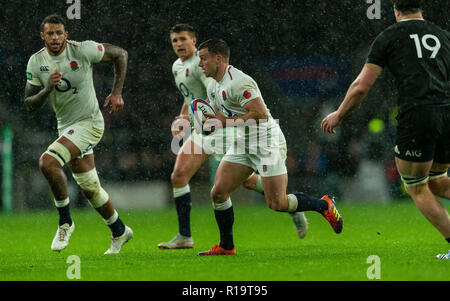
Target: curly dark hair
408	6
217	46
53	19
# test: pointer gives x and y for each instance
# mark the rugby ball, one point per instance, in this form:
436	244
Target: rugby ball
197	109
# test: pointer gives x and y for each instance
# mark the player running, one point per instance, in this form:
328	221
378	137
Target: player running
237	98
417	53
62	73
197	149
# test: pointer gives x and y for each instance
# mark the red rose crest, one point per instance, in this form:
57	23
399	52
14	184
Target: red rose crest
74	66
247	94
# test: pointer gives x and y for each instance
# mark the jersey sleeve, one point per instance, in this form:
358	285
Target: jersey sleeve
245	90
93	51
32	75
378	51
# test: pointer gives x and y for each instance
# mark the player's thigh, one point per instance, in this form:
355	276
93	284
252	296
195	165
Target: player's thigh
275	189
229	176
439	167
442	152
81	165
414	175
418	133
189	159
413	169
439	181
81	137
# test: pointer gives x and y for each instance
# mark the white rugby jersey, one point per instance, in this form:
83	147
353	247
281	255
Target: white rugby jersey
230	95
233	91
74	99
190	79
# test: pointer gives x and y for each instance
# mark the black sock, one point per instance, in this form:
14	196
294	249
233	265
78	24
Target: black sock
308	203
448	240
64	215
117	228
183	205
225	220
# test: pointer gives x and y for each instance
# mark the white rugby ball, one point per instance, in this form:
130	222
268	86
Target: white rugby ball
197	109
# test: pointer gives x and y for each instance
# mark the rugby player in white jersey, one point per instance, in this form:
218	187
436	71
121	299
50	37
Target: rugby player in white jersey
197	149
237	98
62	73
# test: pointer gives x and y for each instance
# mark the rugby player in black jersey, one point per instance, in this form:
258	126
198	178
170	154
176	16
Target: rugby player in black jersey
417	53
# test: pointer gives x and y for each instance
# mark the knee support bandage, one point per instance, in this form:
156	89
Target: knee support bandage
410	181
89	181
59	152
433	175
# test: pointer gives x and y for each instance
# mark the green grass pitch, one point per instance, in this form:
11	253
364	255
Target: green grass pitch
266	242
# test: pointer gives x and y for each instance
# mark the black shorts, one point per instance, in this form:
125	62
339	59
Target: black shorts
423	134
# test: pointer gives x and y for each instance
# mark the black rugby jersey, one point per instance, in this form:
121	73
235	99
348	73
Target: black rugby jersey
417	53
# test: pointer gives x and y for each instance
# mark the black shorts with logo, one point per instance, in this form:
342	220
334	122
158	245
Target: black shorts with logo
423	134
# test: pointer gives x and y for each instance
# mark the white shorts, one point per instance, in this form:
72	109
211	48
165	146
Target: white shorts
216	144
268	158
84	134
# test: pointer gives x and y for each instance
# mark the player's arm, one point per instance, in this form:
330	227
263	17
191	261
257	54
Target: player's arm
355	95
256	111
36	96
180	121
119	57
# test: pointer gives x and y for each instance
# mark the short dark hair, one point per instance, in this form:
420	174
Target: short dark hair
53	19
408	6
177	28
217	46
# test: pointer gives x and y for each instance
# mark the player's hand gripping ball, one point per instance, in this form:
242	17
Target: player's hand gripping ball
197	110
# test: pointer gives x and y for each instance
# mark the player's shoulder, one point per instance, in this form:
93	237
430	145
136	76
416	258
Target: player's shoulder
38	55
82	46
177	63
237	76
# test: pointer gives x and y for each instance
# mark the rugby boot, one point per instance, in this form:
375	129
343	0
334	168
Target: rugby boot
178	242
332	215
443	256
62	236
218	250
300	222
118	242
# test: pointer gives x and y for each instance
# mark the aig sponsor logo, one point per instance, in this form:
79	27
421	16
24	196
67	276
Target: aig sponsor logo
409	153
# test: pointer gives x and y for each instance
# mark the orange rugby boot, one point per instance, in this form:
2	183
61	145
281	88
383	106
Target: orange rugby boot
332	215
218	250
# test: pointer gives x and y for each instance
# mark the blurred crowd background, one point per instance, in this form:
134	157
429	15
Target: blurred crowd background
302	53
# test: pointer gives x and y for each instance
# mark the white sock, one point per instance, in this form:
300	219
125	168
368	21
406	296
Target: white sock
112	219
62	203
181	191
223	206
293	203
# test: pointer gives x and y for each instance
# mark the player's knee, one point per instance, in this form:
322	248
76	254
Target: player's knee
218	195
48	165
248	184
55	154
179	178
90	185
415	184
275	206
438	183
275	203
